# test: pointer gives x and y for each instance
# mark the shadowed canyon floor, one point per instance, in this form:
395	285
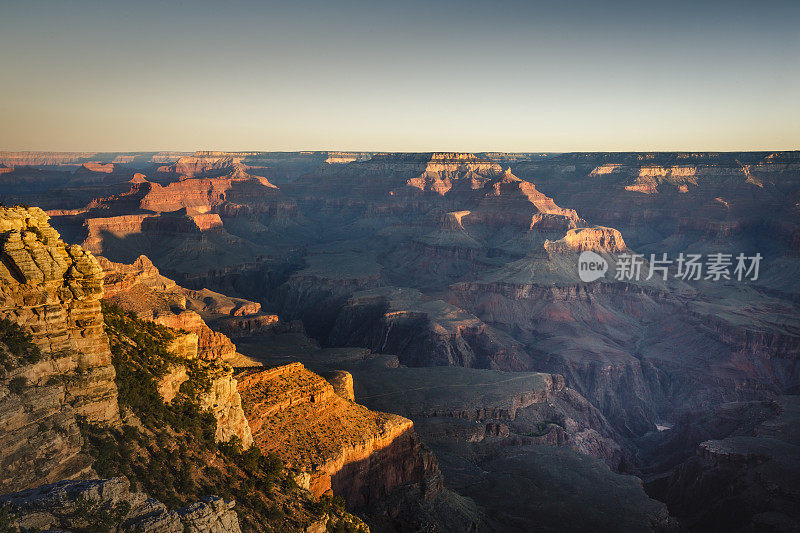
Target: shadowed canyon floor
426	309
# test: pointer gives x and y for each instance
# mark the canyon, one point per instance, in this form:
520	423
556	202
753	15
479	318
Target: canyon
410	331
58	378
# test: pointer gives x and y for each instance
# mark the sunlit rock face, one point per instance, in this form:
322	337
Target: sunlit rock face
433	262
672	199
190	204
53	291
140	288
597	239
386	442
345	448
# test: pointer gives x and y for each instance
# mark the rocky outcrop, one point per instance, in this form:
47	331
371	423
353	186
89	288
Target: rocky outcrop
211	344
650	177
124	225
342	382
170	383
111	505
473	418
120	277
635	350
94	173
225	403
451	404
52	290
624	388
666	198
200	195
489	254
247	325
430	162
396	462
203	164
97	166
220	398
140	288
598	239
97	228
359	454
219	304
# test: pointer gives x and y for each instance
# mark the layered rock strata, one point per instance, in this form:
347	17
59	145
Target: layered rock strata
345	448
52	290
78	505
140	288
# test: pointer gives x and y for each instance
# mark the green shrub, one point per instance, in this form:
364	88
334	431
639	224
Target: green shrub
19	343
131	433
170	458
213	472
141	356
342	526
97	517
232	448
143	342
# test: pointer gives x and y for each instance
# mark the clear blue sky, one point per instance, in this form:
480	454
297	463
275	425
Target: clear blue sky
404	76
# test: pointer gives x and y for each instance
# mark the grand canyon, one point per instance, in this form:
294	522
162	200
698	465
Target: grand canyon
318	341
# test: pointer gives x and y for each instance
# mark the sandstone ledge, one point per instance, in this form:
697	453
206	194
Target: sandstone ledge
298	415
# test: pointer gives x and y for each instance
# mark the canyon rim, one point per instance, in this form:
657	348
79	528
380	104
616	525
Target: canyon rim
415	267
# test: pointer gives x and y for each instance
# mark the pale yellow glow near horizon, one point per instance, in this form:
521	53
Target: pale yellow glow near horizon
83	76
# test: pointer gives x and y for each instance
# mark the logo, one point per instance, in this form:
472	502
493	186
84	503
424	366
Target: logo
591	266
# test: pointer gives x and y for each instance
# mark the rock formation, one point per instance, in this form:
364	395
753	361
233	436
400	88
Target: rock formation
52	290
744	475
345	448
57	385
140	288
110	504
78	158
224	402
432	259
422	331
349	451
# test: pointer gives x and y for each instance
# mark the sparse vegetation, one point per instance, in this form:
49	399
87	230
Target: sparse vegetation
342	525
96	517
140	354
20	348
174	457
144	343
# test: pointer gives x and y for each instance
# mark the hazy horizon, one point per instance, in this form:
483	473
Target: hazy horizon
381	77
346	151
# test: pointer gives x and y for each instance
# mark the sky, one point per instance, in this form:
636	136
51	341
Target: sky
548	76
